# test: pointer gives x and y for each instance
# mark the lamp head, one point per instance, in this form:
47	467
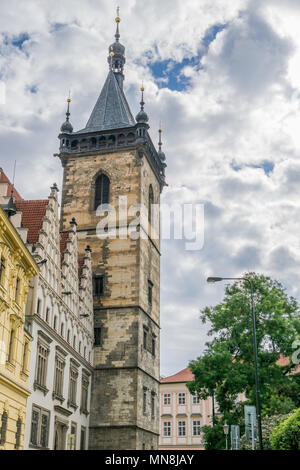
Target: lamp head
214	279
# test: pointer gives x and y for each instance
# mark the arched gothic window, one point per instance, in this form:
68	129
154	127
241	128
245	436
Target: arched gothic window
101	190
150	202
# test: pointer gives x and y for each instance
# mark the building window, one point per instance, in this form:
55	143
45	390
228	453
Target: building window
2	270
74	342
18	433
196	400
151	202
11	346
68	336
62	329
41	365
82	438
55	323
153	345
47	315
167	399
4	419
17	290
181	428
150	289
73	386
72	437
145	401
181	398
38	308
98	286
101	190
97	336
25	357
145	339
153	405
39	427
196	428
59	377
84	393
167	428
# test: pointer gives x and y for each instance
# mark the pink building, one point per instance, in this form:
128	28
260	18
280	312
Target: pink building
182	414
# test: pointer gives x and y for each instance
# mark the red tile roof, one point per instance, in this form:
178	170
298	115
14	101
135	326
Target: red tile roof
32	217
4	179
184	375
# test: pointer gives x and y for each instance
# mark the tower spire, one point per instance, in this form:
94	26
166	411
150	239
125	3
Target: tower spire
160	152
67	126
118	19
142	103
116	57
142	116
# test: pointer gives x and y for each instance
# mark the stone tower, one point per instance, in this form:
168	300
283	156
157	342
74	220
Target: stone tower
113	157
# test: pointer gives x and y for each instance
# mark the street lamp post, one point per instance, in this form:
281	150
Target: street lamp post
226	431
258	405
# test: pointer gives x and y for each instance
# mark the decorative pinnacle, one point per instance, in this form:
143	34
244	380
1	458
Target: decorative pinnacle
142	103
160	132
118	19
68	109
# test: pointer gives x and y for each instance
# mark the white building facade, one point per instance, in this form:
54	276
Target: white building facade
59	317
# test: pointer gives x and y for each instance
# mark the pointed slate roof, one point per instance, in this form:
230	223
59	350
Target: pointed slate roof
111	110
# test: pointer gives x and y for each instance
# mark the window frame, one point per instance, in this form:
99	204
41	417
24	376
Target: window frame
196	426
102	190
167	428
181	426
167	397
181	398
41	412
98	285
97	337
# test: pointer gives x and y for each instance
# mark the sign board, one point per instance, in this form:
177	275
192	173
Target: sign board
235	437
250	422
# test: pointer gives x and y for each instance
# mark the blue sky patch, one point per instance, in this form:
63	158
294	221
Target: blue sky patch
33	89
266	165
168	73
18	41
58	27
211	34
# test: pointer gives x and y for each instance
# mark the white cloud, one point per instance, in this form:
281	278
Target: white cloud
240	110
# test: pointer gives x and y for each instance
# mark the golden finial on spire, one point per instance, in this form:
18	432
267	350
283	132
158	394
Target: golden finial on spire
69	97
118	19
142	87
160	127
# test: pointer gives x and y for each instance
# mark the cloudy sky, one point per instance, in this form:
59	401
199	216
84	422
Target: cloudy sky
224	78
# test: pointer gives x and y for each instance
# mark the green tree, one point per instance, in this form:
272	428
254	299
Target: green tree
286	436
226	368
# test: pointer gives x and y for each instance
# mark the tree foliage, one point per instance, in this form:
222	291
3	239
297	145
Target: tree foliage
286	436
226	368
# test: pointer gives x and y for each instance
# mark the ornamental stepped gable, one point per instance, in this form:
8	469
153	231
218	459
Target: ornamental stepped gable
37	223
